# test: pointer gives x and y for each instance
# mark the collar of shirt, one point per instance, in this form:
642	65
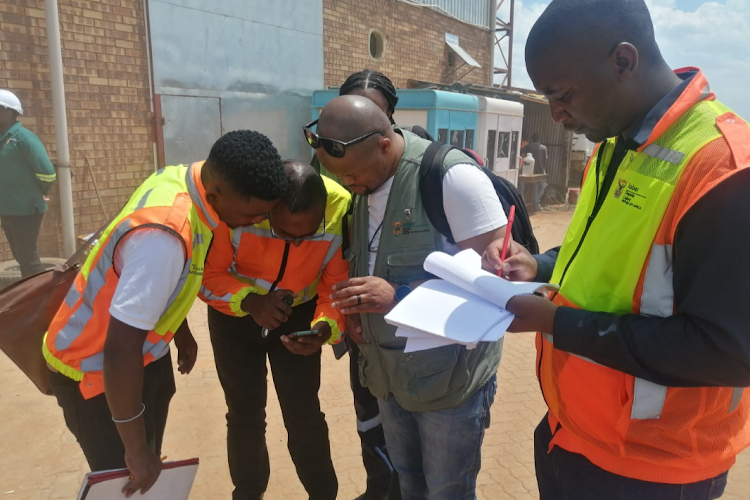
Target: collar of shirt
198	195
694	88
12	130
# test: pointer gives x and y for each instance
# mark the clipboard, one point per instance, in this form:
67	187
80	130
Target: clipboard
175	483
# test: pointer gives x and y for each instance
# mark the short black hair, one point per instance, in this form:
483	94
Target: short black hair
367	79
249	163
536	137
306	189
594	23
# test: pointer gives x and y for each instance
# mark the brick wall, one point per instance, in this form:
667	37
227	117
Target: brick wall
415	42
107	94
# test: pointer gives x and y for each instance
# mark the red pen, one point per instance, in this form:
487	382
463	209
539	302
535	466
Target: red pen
508	227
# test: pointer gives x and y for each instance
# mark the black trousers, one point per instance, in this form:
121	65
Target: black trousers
382	478
240	353
22	232
562	475
90	420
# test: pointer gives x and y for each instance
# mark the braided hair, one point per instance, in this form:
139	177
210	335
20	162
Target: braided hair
367	79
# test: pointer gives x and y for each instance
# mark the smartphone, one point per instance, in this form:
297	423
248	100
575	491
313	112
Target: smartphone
304	333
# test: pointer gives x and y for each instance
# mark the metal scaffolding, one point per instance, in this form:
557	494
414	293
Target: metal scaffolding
503	31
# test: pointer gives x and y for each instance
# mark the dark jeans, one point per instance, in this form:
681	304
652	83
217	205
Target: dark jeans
438	453
90	420
382	478
240	353
562	475
22	232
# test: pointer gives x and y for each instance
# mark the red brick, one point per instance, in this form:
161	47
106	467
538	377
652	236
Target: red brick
109	116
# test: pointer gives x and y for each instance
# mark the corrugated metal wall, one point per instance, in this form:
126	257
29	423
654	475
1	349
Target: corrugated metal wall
470	11
245	63
554	136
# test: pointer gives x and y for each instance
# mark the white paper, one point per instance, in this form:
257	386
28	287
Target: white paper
173	484
445	310
465	270
424	342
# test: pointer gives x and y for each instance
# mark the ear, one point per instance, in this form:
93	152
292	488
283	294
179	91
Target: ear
384	144
212	194
625	58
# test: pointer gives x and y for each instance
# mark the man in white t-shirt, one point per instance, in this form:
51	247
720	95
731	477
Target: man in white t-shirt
108	346
434	404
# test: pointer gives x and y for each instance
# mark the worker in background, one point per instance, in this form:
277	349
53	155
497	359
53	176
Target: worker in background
644	355
534	191
108	345
26	176
433	424
382	479
295	255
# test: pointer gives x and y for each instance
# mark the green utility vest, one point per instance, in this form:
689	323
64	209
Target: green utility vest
428	380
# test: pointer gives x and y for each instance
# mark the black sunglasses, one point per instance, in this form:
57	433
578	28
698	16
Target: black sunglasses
333	147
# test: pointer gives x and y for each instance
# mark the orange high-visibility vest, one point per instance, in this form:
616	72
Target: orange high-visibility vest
623	424
173	200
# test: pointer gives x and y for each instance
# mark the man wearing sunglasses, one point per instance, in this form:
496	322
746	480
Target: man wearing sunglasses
434	404
264	283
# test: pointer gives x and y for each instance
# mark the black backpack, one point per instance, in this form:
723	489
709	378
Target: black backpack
431	189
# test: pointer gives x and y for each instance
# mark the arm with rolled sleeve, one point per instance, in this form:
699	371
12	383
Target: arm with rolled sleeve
336	271
220	288
707	341
37	158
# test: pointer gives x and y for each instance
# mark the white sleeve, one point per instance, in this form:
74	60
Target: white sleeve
150	262
470	202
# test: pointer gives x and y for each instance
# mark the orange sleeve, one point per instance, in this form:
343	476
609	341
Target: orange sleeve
221	289
336	270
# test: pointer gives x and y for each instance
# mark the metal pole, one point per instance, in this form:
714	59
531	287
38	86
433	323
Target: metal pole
61	127
510	42
492	26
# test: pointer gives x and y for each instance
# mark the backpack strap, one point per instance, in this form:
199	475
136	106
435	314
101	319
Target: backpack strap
431	187
345	221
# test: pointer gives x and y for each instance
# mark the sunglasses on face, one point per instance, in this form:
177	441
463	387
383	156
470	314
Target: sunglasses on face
333	147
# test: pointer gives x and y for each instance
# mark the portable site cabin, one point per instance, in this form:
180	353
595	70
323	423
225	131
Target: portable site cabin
447	116
499	140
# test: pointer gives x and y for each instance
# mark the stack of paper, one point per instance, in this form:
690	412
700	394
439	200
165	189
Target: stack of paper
174	483
466	306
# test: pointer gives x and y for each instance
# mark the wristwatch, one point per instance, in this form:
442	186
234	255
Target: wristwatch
402	291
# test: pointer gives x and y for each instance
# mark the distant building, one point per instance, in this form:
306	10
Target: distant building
154	82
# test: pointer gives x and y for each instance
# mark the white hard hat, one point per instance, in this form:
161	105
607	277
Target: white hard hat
9	100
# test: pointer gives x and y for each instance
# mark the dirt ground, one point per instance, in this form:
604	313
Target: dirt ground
39	458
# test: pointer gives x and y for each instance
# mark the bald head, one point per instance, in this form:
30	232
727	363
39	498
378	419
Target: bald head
306	189
574	28
351	116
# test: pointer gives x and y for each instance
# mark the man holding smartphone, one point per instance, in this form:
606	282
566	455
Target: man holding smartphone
268	287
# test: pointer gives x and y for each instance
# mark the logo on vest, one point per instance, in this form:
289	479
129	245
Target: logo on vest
407	213
196	270
629	194
621	185
410	227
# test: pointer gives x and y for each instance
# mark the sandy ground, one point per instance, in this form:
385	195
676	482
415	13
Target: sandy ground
39	458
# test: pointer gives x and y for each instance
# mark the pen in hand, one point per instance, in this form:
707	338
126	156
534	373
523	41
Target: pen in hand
508	236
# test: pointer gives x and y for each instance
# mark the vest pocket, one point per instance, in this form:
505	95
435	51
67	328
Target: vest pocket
405	267
435	373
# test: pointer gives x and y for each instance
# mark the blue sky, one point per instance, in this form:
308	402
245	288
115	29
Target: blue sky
715	36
